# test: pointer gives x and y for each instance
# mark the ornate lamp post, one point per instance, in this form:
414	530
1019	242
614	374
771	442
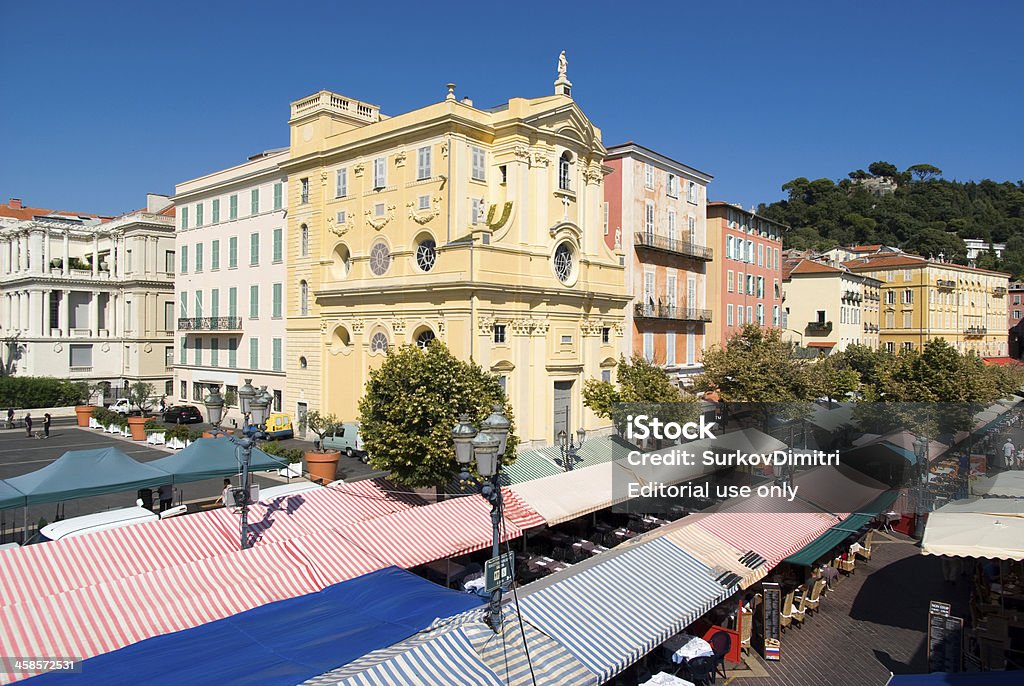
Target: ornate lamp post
487	446
570	449
254	405
921	479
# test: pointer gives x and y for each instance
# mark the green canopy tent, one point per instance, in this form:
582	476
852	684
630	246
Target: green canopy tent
86	473
824	543
209	458
10	496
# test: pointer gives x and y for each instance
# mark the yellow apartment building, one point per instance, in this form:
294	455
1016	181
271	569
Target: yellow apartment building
480	227
924	299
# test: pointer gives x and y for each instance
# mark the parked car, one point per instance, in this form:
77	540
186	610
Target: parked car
279	425
182	414
122	406
345	437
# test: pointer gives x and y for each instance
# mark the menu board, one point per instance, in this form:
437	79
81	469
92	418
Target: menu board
771	607
945	639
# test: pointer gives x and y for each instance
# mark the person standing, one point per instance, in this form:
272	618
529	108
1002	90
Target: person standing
226	494
10	417
46	425
166	497
1008	450
28	424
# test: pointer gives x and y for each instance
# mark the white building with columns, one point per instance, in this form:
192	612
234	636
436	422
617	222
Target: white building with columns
232	282
90	300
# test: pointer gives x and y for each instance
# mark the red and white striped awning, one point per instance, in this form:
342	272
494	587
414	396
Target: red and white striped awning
772	535
518	512
424	534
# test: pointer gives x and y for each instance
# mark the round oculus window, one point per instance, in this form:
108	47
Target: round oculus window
380	259
424	338
564	262
426	254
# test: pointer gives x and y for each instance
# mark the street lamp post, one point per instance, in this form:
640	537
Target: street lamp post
570	449
254	406
488	446
921	477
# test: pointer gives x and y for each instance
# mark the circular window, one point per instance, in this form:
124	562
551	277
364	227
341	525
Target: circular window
379	342
302	363
424	337
341	261
565	263
380	259
426	254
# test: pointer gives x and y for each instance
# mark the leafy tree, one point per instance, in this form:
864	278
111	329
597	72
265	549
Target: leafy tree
412	402
834	380
319	423
924	172
883	169
644	388
140	395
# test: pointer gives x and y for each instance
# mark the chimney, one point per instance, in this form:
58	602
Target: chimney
15	203
467	101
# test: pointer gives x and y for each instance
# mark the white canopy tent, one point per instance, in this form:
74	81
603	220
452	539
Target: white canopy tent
989	527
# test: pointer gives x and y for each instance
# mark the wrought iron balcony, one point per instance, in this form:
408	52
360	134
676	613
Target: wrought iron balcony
945	283
673	245
999	291
819	328
852	296
871	328
975	331
209	323
673	312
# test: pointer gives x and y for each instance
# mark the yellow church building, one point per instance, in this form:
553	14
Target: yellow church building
479	227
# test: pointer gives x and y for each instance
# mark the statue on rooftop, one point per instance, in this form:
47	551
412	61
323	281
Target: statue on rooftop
562	64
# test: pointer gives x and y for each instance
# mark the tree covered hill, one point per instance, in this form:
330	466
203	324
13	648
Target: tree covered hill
915	209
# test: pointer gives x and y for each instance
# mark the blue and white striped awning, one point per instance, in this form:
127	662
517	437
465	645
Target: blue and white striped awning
612	614
447	658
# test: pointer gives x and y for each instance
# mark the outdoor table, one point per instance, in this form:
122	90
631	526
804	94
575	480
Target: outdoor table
445	569
584	545
598	549
560	538
623	534
654	521
685	647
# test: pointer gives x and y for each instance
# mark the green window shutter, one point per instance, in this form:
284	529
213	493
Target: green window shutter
254	249
254	301
278	196
232	352
199	303
215	255
184	217
277	300
233	207
254	201
198	361
232	302
199	257
184	259
182	351
232	252
277	354
215	302
184	304
278	247
215	211
254	353
214	352
199	214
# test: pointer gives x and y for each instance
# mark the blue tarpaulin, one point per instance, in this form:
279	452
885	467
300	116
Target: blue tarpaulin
961	679
284	642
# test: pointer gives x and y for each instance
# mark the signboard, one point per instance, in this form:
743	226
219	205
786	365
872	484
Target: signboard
945	639
498	571
771	608
979	465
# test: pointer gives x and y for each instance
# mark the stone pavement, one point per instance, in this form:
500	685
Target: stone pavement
873	623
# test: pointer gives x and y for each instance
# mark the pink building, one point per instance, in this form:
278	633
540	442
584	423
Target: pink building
655	213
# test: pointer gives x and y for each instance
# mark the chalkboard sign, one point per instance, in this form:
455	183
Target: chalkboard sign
945	639
771	607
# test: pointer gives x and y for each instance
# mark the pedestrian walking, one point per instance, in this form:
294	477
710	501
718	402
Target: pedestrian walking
163	406
226	494
10	417
1008	451
46	425
28	424
166	497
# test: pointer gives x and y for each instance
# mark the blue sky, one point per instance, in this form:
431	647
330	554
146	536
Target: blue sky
105	101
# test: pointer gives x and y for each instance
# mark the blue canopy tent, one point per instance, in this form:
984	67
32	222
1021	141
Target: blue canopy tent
10	496
284	642
85	473
209	458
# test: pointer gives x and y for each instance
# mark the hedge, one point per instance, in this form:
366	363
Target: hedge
28	392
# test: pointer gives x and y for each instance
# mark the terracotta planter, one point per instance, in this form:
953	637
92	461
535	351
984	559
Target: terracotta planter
322	466
135	425
83	412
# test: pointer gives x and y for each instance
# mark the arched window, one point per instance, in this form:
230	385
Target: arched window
379	342
564	168
565	262
424	337
303	298
304	240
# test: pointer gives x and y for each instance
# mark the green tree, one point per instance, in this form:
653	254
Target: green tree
755	365
834	380
883	169
140	395
639	382
412	402
924	172
319	423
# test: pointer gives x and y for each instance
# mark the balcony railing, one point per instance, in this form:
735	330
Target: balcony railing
682	314
852	296
945	283
819	328
999	291
870	328
673	245
209	323
975	331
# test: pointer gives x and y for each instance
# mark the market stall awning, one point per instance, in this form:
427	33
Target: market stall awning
413	537
988	527
568	495
209	458
312	633
1002	485
715	553
10	496
611	614
824	543
839	488
86	473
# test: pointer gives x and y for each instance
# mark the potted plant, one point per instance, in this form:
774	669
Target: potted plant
321	464
83	410
140	395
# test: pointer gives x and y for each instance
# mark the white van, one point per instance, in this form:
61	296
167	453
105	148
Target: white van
100	521
268	494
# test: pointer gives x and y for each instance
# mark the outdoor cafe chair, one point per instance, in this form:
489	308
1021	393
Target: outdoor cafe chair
799	610
721	644
865	545
746	629
813	601
786	613
701	670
